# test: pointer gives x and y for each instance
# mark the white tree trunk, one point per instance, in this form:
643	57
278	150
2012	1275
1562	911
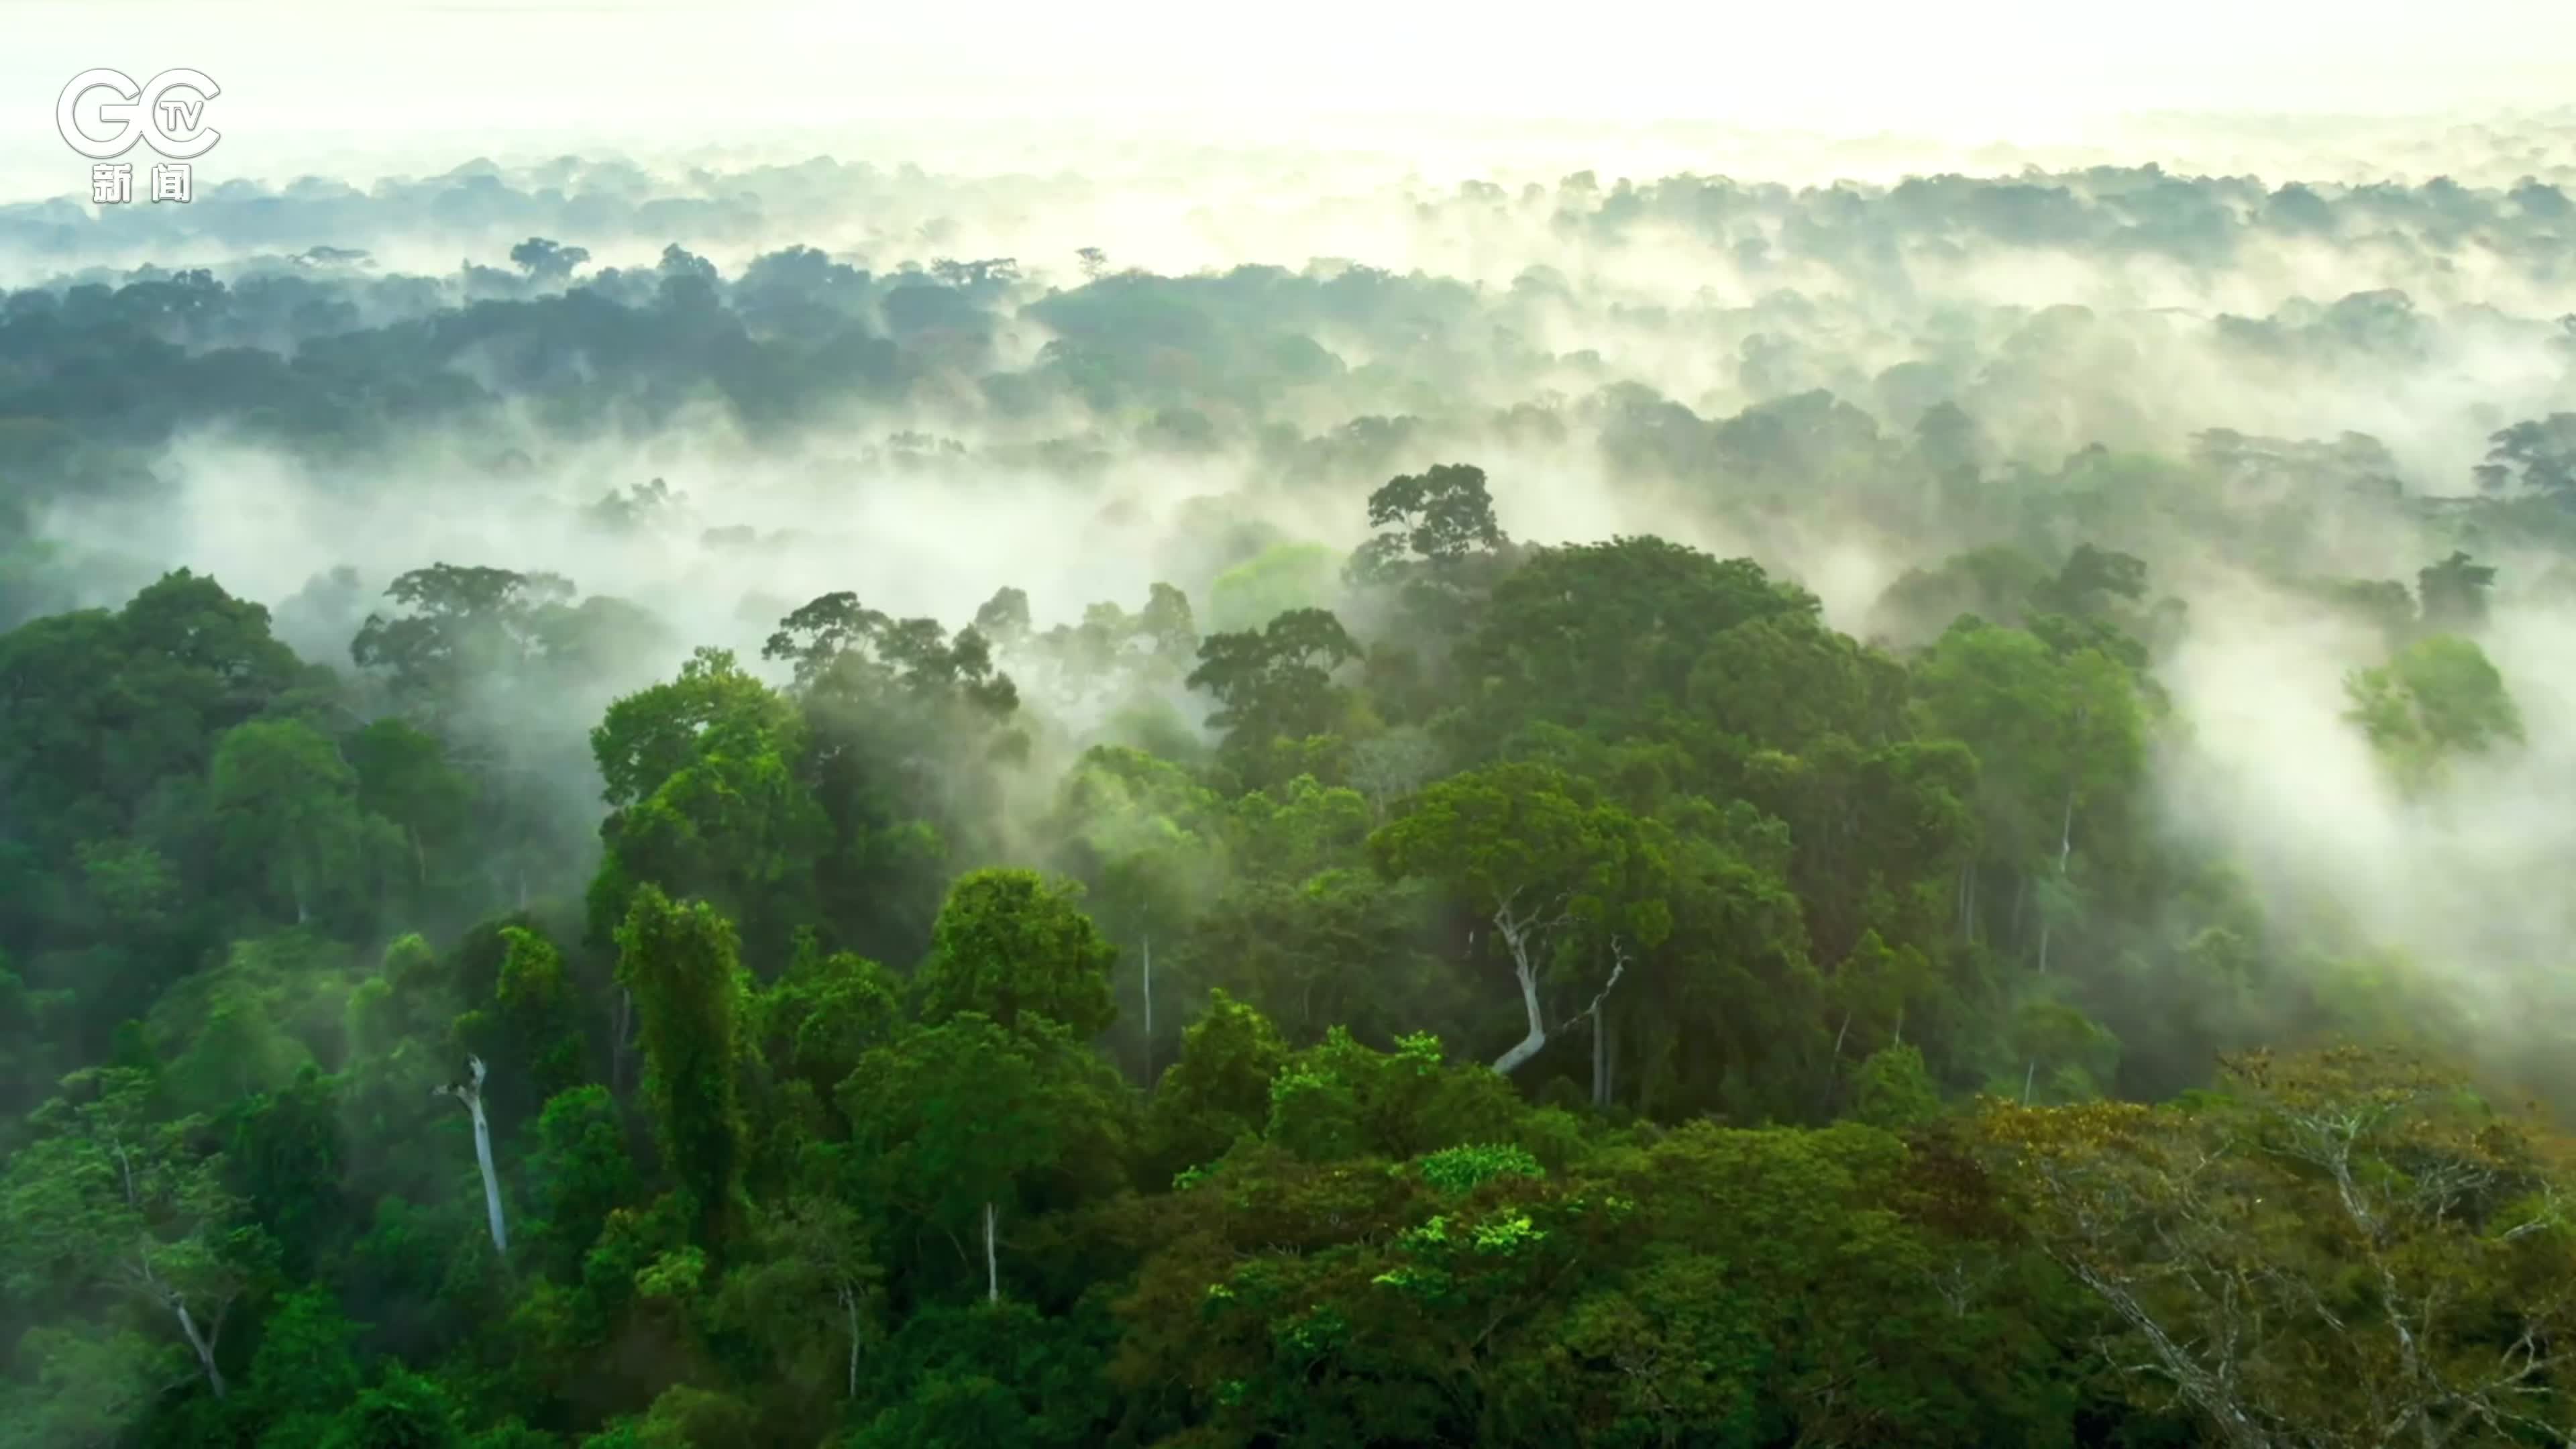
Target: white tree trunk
2065	850
1602	1043
1512	1061
203	1345
471	1094
1520	935
992	1261
1600	1064
491	1177
849	1294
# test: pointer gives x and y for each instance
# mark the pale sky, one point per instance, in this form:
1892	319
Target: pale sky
304	81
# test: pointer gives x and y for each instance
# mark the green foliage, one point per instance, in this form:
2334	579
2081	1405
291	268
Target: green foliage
2438	699
1282	579
893	972
1455	1170
1012	946
966	1115
678	962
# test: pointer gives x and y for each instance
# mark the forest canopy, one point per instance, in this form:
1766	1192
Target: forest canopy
1807	815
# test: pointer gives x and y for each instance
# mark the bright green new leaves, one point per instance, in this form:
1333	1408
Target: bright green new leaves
2439	699
1011	945
1462	1169
689	994
1341	1099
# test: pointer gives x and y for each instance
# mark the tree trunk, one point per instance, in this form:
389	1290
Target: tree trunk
1512	1061
621	1027
1600	1064
1834	1065
2027	1077
992	1261
850	1307
2065	850
470	1092
197	1340
491	1176
1149	1010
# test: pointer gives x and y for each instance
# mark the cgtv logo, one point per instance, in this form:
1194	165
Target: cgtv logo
168	111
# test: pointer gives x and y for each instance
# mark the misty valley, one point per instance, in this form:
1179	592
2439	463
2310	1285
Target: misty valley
1239	805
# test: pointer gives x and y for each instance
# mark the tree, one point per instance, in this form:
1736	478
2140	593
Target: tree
1438	517
825	1013
1606	635
679	963
957	1118
1522	848
2539	453
470	1092
110	1199
1276	682
547	261
287	798
2455	593
404	777
2343	1249
2437	700
462	623
1142	837
2054	735
815	1264
1219	1089
703	772
1010	944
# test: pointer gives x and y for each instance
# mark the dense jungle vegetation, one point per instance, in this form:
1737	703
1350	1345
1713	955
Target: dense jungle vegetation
1399	973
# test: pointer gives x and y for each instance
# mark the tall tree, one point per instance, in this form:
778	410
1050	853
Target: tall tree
679	962
1551	871
1010	944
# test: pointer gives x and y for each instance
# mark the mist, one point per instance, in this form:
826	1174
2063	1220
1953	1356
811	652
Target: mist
2014	578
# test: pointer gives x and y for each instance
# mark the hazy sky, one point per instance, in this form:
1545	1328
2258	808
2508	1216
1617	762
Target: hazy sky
304	82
